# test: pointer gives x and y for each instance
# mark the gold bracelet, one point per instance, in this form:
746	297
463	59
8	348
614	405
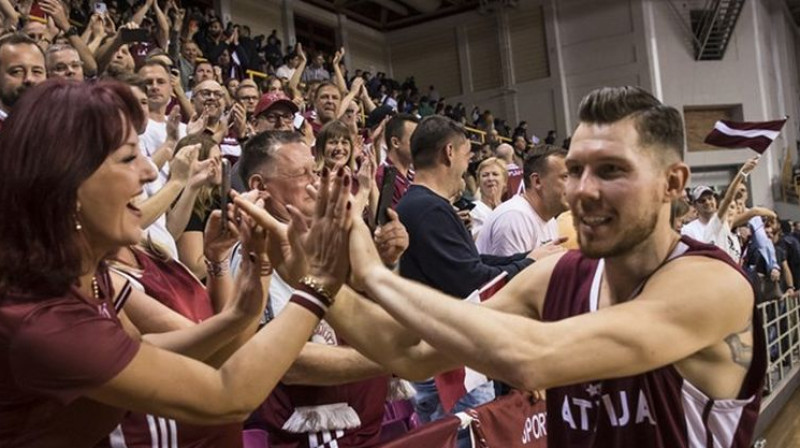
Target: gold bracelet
312	283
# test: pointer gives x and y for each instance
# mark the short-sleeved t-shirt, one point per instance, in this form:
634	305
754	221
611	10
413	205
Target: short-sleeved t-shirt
514	227
53	350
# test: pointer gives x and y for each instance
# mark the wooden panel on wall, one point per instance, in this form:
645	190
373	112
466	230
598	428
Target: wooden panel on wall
484	56
262	16
366	52
432	60
588	20
528	44
700	121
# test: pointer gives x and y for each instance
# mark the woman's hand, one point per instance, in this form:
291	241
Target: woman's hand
366	180
217	244
325	241
284	245
255	263
181	166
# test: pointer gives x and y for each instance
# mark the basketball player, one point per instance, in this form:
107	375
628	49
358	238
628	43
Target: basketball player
634	344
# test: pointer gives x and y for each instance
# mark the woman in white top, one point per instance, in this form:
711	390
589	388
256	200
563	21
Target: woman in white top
492	181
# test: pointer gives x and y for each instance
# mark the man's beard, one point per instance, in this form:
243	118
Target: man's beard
10	97
631	237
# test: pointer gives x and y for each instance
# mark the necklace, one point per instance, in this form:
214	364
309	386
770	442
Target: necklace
95	288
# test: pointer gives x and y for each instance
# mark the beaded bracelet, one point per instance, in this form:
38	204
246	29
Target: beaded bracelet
217	268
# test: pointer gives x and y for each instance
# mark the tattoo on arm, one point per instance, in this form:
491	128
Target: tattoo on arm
741	353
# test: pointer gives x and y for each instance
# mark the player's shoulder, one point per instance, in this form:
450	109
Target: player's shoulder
528	289
708	279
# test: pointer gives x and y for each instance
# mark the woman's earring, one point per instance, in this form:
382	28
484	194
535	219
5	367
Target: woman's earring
78	225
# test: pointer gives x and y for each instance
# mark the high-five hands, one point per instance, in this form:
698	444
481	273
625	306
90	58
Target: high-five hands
317	247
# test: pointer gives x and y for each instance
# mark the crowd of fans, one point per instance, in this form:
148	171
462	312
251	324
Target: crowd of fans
193	285
766	246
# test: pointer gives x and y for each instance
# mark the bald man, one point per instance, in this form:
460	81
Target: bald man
515	185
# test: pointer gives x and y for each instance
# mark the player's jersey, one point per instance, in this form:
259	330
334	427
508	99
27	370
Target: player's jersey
659	408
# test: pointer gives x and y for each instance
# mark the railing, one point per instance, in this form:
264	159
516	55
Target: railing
781	320
477	136
782	330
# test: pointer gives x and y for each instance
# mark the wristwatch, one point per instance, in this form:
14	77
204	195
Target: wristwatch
315	286
72	31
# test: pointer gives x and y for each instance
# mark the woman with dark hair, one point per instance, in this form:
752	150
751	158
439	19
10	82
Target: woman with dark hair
273	84
69	364
334	147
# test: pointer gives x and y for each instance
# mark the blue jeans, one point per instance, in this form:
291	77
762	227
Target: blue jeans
429	408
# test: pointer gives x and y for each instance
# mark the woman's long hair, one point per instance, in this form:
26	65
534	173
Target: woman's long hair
207	196
58	134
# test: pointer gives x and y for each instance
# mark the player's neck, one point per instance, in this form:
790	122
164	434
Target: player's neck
625	273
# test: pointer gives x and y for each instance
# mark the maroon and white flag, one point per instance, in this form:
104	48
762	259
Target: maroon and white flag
756	135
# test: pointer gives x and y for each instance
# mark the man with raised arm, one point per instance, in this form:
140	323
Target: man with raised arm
632	342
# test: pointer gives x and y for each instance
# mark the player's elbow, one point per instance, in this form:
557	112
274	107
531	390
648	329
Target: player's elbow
528	369
411	371
233	416
224	412
525	377
412	374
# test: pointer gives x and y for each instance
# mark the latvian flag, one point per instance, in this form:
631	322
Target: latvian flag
747	134
456	383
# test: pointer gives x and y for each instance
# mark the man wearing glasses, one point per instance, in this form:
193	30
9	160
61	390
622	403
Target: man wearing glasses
247	94
274	112
63	61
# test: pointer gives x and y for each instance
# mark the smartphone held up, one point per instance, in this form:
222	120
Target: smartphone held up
225	193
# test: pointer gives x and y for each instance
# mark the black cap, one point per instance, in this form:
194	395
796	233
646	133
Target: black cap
376	116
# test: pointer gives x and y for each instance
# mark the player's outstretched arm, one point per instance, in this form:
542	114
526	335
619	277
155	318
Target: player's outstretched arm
385	339
678	314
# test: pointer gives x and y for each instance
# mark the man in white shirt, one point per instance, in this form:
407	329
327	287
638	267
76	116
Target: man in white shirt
286	70
527	220
156	142
706	204
159	140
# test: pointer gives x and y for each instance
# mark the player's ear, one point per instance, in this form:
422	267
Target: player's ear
677	177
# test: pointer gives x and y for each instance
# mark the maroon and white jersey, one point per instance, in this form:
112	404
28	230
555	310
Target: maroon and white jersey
659	408
172	284
353	412
401	182
515	184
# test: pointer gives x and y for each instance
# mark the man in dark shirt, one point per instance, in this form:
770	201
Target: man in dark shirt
441	252
788	243
211	41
